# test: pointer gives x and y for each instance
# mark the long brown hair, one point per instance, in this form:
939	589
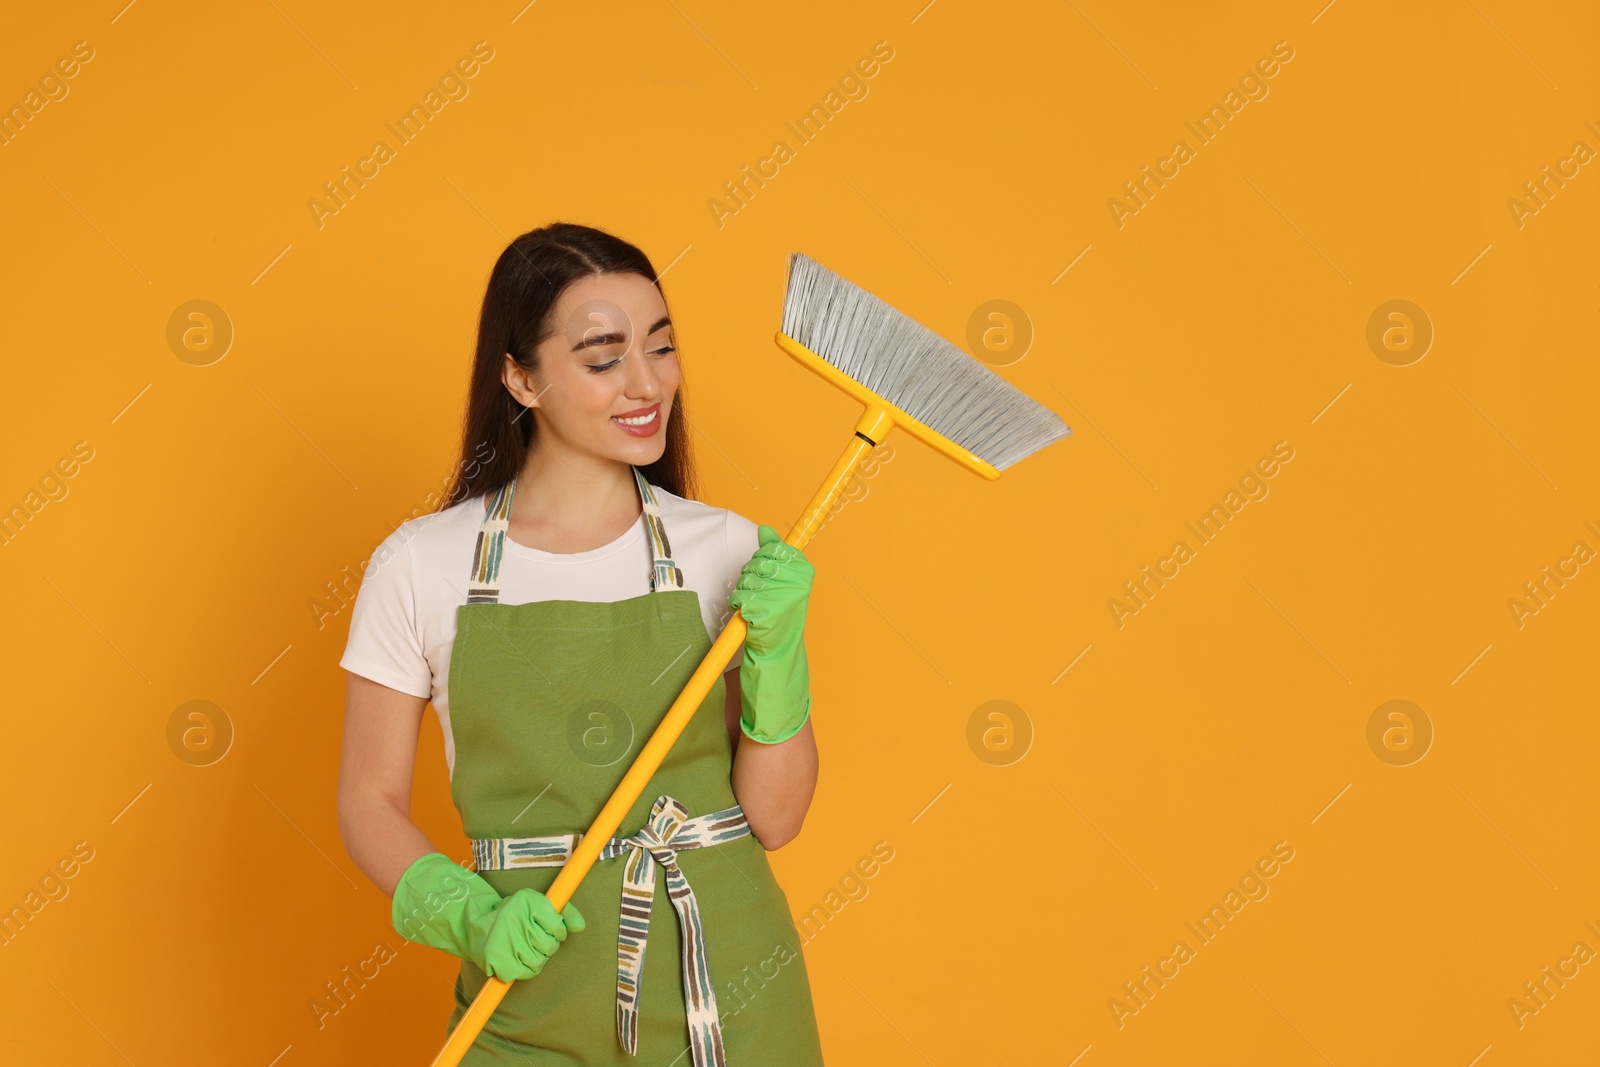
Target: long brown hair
526	282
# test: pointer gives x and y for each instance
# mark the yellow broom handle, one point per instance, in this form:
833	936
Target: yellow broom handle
875	424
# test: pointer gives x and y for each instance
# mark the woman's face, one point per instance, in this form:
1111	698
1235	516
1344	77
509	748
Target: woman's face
611	358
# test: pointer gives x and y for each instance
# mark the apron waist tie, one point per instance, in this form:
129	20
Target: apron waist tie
666	832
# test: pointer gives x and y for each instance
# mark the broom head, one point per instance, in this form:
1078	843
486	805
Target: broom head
898	367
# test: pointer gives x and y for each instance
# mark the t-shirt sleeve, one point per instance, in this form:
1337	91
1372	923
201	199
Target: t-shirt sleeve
384	642
742	544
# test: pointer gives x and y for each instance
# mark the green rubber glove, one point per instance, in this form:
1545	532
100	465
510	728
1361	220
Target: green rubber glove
774	682
440	903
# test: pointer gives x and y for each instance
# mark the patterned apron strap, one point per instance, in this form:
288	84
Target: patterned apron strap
664	574
483	585
667	832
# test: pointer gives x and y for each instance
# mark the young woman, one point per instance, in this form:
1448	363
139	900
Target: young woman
551	611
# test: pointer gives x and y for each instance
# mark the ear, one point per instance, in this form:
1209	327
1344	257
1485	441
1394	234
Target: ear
519	382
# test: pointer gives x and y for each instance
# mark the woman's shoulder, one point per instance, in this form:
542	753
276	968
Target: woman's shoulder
434	537
673	504
698	521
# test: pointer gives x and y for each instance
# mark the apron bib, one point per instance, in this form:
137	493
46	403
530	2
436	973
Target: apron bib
550	702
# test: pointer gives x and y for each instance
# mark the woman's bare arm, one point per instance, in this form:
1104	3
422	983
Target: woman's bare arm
773	783
375	766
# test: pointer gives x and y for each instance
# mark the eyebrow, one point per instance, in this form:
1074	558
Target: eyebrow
616	337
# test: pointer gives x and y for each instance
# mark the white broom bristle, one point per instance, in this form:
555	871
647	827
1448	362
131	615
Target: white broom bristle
913	368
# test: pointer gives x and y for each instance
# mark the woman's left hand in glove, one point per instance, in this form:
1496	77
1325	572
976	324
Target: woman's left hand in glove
774	681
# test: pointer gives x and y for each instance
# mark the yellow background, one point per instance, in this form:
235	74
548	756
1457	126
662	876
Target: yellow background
1230	313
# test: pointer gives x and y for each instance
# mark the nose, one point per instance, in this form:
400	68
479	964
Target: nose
639	377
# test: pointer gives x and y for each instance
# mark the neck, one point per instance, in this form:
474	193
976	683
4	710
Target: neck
575	493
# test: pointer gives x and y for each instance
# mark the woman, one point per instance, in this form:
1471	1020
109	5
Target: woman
551	611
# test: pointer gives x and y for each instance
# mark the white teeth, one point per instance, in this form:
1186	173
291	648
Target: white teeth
637	420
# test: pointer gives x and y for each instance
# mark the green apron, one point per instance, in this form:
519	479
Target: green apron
550	702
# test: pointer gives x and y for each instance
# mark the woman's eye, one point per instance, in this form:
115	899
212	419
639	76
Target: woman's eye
601	368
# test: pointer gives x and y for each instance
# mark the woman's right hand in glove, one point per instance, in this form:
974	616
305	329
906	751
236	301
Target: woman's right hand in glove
438	902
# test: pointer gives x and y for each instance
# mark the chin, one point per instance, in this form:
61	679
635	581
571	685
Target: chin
640	452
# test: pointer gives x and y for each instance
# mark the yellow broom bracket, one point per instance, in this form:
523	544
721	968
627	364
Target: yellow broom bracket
875	424
879	409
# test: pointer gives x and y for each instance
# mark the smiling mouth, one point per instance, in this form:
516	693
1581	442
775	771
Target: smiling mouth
638	420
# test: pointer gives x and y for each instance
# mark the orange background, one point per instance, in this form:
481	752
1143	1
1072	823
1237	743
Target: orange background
1230	713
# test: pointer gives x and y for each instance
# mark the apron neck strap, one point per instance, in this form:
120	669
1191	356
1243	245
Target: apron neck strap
483	585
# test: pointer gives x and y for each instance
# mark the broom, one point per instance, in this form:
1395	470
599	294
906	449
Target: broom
907	376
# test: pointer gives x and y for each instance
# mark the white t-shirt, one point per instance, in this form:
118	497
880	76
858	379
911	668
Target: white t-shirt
404	621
